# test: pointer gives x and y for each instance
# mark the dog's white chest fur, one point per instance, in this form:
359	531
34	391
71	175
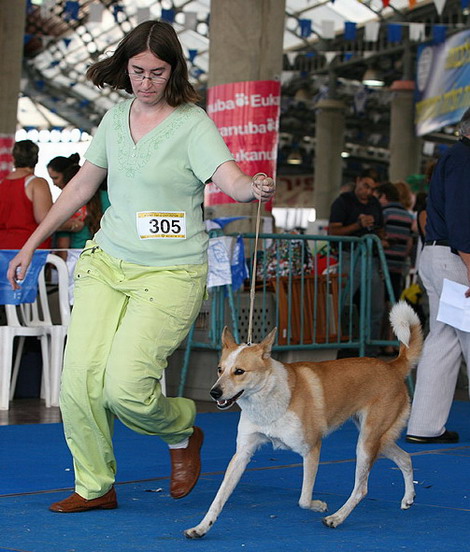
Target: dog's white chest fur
285	433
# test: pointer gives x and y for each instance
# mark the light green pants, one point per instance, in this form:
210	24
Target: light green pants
127	319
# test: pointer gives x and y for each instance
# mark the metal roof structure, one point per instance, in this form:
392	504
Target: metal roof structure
60	45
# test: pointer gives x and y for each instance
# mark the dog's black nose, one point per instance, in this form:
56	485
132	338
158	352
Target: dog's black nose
216	392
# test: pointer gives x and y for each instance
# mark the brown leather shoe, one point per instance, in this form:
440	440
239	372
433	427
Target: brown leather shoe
186	465
75	503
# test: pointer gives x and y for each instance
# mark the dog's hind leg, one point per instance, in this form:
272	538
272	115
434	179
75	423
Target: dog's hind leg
403	460
310	472
366	452
235	469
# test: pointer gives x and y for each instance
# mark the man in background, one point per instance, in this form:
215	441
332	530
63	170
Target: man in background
358	213
446	254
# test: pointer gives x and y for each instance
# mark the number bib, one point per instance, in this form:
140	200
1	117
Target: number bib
161	225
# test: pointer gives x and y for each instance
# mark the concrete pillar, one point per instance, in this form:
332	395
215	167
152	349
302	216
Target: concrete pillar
329	132
405	146
12	23
246	44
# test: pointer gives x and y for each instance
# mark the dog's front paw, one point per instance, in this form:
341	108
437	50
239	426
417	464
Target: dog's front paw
407	502
194	533
315	505
332	521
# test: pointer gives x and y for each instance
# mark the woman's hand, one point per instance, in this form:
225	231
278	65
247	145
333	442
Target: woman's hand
18	267
263	187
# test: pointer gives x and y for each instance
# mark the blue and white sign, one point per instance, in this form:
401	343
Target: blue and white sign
29	286
442	83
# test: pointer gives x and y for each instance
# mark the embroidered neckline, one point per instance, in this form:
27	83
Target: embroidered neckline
132	157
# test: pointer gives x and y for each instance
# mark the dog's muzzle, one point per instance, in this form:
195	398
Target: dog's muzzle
216	393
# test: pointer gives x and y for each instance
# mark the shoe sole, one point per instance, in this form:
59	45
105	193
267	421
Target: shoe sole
103	507
431	441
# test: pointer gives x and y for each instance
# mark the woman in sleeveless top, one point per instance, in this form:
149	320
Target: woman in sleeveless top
25	199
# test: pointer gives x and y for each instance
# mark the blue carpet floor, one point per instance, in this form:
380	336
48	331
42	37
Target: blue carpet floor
261	515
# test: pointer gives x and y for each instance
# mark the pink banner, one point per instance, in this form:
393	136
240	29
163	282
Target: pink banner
6	159
247	116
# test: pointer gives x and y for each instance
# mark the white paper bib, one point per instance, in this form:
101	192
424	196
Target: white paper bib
161	225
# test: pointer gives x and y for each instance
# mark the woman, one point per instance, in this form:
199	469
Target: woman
61	170
25	199
57	167
141	282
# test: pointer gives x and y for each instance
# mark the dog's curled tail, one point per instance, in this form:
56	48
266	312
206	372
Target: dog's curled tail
407	327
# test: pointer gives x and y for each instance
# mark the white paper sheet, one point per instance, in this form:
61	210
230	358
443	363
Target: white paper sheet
454	307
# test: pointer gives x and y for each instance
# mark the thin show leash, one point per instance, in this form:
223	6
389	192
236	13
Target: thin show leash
253	268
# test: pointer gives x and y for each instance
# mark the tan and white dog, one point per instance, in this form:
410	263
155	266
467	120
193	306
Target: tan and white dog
294	405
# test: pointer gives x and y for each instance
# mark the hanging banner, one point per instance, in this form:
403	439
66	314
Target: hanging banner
247	116
442	83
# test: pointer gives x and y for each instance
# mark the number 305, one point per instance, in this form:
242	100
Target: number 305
164	226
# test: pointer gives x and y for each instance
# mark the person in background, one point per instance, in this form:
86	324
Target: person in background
398	242
25	199
446	254
139	285
358	213
406	196
58	165
63	169
58	168
407	199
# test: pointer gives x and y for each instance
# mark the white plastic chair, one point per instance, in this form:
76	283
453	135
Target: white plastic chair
37	317
7	335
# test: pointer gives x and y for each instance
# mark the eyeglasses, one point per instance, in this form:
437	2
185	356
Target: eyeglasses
140	77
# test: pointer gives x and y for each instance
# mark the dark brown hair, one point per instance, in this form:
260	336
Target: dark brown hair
159	38
60	164
25	154
389	190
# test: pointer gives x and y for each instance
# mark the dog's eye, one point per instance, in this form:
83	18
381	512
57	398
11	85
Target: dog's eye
239	372
219	370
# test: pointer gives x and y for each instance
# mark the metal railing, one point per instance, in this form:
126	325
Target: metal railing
320	292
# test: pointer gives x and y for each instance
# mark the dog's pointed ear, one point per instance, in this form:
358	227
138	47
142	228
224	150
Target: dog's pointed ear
267	343
227	338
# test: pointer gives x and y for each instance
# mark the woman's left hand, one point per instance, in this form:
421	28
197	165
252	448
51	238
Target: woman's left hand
263	187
